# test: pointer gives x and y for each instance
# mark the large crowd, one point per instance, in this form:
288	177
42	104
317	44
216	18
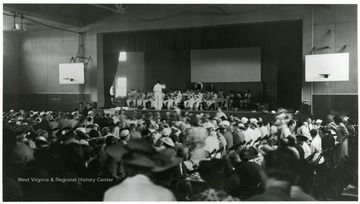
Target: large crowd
92	156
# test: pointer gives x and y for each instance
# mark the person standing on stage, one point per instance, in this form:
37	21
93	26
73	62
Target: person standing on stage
158	95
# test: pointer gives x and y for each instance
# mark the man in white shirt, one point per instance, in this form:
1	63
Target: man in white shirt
211	141
302	141
253	132
198	99
305	130
158	95
315	146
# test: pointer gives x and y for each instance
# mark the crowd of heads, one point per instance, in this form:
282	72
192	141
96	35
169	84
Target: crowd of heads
194	155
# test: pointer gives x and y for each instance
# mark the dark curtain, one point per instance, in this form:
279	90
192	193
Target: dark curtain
268	35
110	67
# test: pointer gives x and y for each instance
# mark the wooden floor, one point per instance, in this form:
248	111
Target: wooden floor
267	117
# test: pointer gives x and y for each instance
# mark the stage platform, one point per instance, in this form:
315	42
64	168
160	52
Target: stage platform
267	117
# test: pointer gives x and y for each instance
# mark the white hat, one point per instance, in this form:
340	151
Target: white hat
124	133
41	138
253	120
240	125
152	130
38	120
90	112
166	131
244	120
224	123
209	125
81	129
84	142
281	116
168	141
318	121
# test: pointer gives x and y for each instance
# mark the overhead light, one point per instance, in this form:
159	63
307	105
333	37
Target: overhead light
18	26
122	56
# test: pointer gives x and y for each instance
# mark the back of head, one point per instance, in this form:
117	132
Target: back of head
281	164
313	132
217	173
337	119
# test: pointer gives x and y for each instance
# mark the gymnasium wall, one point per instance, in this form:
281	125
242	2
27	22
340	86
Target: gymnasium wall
342	19
11	58
35	82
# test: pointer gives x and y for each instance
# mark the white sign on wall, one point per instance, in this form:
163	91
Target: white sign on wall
71	73
327	67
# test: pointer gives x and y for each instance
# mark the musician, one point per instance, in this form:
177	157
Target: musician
169	100
247	97
178	98
221	98
158	94
150	98
191	100
242	99
139	98
231	97
131	98
143	98
211	99
198	96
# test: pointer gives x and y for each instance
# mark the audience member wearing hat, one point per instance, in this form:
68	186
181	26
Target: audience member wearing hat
302	141
220	177
225	131
249	173
211	141
280	172
124	135
139	159
170	169
244	120
22	153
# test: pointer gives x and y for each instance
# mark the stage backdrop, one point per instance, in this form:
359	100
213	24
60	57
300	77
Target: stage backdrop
280	43
226	65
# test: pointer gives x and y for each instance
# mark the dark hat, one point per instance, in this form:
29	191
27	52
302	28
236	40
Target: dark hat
110	140
216	170
195	121
167	160
240	125
137	152
301	138
22	153
246	154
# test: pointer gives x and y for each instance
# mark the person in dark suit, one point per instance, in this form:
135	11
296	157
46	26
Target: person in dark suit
280	171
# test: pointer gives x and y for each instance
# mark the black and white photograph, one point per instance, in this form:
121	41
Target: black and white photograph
179	101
